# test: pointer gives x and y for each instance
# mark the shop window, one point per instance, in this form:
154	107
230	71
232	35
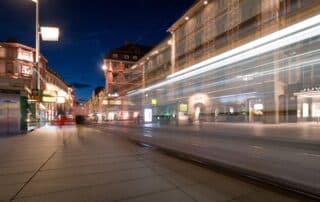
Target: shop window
9	69
26	70
305	108
316	110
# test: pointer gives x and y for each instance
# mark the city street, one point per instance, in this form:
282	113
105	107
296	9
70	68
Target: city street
288	154
168	101
87	164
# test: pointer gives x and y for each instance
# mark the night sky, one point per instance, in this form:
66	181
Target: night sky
89	28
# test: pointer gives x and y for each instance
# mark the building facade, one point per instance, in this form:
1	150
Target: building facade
121	77
58	97
240	61
20	102
95	108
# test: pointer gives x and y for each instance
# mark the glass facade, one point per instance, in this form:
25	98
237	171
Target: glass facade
273	82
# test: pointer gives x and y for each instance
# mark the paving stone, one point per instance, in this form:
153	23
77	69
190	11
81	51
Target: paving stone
55	185
109	192
86	170
167	196
18	169
60	164
96	166
8	191
12	179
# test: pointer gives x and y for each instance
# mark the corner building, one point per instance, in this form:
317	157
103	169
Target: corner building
241	61
121	75
22	107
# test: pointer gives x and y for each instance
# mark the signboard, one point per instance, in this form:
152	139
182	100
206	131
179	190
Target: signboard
183	107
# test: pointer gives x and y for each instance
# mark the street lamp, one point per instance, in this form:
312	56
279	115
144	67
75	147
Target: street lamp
104	67
48	34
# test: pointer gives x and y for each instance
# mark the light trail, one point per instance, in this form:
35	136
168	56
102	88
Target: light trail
299	32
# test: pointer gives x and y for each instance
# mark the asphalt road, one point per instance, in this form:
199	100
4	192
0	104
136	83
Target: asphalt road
288	154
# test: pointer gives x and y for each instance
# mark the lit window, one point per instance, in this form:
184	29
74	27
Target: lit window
316	110
25	55
126	57
26	70
305	110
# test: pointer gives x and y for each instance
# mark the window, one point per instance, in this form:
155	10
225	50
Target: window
126	57
305	108
198	19
316	110
114	55
9	68
2	67
25	55
26	70
221	4
135	57
198	39
2	52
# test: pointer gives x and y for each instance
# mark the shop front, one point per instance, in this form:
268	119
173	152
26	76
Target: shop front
10	114
308	109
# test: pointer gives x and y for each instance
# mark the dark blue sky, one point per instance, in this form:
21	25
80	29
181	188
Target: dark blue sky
89	28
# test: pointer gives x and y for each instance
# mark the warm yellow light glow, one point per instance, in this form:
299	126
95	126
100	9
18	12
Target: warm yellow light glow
35	1
187	18
50	33
205	2
183	107
61	100
104	67
154	101
49	99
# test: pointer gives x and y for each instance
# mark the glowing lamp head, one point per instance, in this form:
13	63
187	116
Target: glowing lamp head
50	33
104	67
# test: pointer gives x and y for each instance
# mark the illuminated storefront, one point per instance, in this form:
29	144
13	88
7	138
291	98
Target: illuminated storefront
56	102
309	105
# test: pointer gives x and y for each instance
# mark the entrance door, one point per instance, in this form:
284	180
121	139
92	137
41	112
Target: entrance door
255	110
9	114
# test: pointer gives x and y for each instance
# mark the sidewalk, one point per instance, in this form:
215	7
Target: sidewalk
83	164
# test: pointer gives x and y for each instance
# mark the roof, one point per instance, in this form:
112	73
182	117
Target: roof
98	90
131	49
19	45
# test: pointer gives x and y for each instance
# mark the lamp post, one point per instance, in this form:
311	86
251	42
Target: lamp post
37	44
48	34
